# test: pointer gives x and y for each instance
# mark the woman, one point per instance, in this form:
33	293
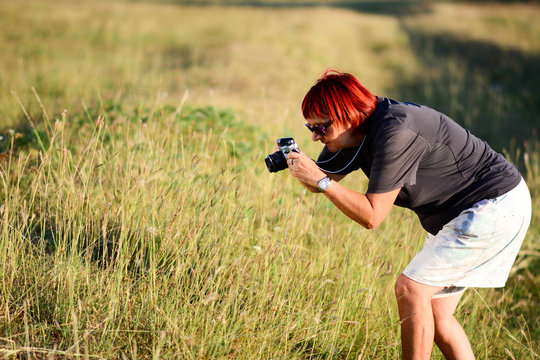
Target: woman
471	200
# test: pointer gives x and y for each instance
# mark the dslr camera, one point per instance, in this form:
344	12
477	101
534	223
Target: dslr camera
278	160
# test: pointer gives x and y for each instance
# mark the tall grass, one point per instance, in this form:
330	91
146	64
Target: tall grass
141	222
145	237
149	232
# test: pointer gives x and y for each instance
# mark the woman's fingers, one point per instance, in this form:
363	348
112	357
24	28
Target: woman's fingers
294	157
304	169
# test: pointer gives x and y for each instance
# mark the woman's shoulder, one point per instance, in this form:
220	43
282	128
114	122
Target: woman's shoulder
401	110
393	116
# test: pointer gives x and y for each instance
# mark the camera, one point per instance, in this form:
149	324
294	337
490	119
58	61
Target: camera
278	160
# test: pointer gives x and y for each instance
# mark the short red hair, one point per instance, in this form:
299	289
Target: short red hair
341	98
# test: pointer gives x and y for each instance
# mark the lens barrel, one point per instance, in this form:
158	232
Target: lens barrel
276	161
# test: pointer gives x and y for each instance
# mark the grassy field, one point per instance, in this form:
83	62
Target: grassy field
138	219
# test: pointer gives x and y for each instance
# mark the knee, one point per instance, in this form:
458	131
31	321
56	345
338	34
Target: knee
402	288
410	293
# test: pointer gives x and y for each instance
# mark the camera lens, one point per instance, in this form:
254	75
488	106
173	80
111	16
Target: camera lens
276	161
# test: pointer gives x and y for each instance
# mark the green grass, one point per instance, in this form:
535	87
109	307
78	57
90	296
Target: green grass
142	223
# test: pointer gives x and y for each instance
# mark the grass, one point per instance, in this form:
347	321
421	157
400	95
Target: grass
132	261
142	223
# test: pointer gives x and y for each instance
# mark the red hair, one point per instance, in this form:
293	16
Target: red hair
341	98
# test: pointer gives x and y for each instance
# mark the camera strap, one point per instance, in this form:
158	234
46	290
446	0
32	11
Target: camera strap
341	162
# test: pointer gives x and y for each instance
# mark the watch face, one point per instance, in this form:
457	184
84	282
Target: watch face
323	184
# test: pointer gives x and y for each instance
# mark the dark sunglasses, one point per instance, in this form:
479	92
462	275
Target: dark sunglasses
319	129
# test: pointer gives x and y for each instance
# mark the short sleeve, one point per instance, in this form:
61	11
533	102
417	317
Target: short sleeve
397	151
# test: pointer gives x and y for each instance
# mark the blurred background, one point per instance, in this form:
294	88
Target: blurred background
476	61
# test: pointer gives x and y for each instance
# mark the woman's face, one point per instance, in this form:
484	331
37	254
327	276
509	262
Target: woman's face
337	136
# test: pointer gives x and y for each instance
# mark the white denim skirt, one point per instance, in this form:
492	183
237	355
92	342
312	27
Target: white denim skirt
478	247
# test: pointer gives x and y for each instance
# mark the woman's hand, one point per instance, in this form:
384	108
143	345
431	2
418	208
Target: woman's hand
305	170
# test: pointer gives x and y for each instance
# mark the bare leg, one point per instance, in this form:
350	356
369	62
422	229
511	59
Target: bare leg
416	317
449	335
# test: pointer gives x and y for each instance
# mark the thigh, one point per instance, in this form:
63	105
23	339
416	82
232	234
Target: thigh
445	307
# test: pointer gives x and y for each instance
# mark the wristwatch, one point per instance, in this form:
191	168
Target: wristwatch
323	184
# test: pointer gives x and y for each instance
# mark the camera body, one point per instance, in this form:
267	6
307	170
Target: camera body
278	161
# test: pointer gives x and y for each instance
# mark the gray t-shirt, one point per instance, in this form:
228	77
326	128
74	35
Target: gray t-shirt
442	168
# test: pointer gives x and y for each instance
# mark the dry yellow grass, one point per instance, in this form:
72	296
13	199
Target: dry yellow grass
511	26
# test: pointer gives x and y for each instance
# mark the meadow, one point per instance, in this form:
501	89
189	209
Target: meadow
138	220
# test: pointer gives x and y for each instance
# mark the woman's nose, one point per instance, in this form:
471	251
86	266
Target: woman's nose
315	136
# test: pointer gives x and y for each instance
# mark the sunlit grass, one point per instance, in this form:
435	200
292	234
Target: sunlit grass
499	23
129	235
143	240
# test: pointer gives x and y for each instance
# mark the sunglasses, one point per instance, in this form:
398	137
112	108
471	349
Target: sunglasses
319	129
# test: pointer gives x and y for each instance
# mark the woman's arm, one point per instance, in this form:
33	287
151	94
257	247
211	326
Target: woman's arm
334	177
368	210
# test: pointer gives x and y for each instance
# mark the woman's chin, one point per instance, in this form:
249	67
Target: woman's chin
332	147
